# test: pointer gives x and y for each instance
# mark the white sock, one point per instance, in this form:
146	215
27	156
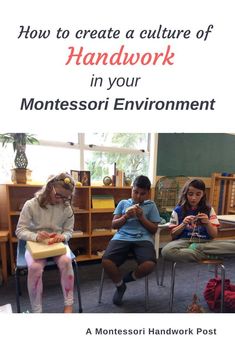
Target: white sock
133	276
119	283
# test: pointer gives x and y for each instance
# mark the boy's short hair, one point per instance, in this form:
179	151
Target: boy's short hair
142	182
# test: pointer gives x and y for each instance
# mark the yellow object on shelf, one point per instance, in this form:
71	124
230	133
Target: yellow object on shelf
42	250
103	201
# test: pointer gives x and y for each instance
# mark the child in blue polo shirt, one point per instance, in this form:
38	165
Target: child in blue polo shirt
136	221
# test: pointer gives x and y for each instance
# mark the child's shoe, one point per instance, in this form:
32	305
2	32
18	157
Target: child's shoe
117	298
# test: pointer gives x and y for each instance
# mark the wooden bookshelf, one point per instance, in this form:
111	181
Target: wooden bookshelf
14	196
94	222
92	227
222	195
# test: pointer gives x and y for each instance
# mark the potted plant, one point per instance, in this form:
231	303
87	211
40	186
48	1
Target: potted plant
20	173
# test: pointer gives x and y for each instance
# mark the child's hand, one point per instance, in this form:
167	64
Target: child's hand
41	236
131	211
139	211
56	238
203	218
188	220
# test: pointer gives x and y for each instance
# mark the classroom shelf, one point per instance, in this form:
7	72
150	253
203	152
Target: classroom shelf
92	227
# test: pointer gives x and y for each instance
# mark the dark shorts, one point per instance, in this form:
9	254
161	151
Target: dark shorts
118	251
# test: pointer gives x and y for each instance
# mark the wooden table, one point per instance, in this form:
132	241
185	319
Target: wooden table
227	218
227	226
3	248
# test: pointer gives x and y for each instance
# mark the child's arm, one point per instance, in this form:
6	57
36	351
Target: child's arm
211	229
23	230
119	220
67	228
177	230
150	226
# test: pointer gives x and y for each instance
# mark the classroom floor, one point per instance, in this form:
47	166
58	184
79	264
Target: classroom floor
190	279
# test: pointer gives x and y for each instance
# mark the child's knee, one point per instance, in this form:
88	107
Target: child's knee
149	266
152	265
170	253
107	263
65	262
165	251
35	269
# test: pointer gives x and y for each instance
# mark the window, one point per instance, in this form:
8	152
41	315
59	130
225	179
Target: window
59	137
48	160
101	164
6	163
137	141
96	152
128	150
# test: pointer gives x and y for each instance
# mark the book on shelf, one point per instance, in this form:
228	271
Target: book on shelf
44	250
82	176
120	178
103	201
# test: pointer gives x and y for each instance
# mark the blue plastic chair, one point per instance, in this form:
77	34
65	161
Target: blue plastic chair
22	265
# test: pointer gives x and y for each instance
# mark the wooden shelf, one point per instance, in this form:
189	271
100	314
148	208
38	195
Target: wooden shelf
96	257
102	233
86	218
78	211
220	177
102	210
102	187
78	235
81	258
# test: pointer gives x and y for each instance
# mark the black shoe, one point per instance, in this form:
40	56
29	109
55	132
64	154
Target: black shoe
117	298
